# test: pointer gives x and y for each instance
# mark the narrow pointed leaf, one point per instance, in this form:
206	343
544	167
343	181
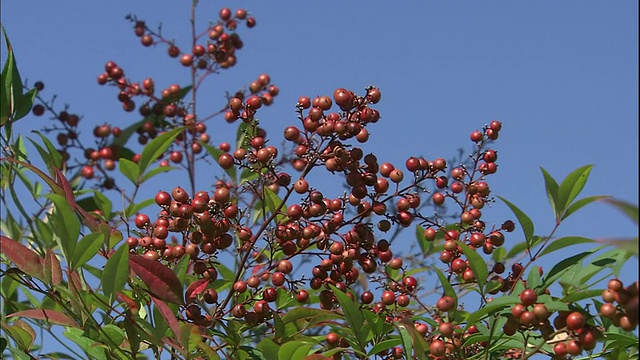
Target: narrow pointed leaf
523	219
446	285
491	307
170	318
215	154
577	205
153	172
24	258
156	147
476	263
571	186
129	169
551	186
52	269
196	288
115	273
564	242
160	280
48	315
24	103
86	249
563	266
351	313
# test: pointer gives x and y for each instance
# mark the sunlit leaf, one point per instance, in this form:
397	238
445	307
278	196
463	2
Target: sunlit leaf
563	266
476	263
157	147
115	273
492	307
129	169
551	187
523	219
564	242
578	204
571	186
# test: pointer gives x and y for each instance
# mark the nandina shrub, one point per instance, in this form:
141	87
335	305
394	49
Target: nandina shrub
269	262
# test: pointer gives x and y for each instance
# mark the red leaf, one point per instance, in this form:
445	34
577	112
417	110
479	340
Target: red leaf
132	305
51	316
170	317
197	287
52	269
160	280
67	190
25	259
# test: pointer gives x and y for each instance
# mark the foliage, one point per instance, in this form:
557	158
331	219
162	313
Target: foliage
269	265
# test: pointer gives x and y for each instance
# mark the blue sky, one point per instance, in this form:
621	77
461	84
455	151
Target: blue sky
561	76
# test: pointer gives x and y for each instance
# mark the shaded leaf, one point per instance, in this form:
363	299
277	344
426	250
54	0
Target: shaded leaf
24	258
52	269
48	315
384	345
86	249
196	288
161	281
170	318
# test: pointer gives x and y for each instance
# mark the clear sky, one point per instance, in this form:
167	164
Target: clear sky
562	76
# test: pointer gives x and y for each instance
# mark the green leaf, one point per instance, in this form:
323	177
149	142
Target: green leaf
65	224
628	245
571	186
446	285
24	103
551	187
50	156
491	308
86	249
384	345
115	273
175	97
157	147
405	337
89	345
564	242
269	348
153	172
294	350
533	279
563	266
272	203
129	169
215	154
352	314
580	204
476	263
523	219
